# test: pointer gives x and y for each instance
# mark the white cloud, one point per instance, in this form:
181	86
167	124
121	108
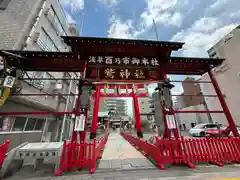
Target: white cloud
198	41
219	4
213	26
207	24
74	5
109	3
163	12
120	29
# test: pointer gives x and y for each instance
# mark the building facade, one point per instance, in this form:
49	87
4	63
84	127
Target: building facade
227	75
191	92
36	26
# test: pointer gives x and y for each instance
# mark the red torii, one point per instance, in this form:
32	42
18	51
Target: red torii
84	47
98	94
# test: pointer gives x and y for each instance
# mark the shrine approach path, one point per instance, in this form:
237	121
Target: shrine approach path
119	154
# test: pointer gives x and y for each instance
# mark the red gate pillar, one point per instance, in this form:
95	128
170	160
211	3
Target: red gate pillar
95	113
137	115
223	103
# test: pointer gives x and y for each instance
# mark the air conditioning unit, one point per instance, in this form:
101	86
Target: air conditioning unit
46	11
35	37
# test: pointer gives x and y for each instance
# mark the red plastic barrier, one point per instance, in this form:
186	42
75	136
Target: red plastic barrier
98	152
3	151
77	156
211	150
190	151
150	150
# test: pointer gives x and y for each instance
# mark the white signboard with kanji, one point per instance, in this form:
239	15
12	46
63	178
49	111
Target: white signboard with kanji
9	81
80	123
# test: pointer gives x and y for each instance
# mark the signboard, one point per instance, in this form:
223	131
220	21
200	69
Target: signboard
9	81
80	123
123	61
108	73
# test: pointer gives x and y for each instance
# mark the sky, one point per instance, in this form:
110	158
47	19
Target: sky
198	23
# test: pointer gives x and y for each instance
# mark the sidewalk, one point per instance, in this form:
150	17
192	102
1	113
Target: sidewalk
200	173
119	154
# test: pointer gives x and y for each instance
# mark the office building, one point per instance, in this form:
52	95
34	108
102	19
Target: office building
227	76
191	92
36	26
179	102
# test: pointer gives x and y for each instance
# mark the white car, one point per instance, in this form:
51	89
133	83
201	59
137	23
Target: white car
199	130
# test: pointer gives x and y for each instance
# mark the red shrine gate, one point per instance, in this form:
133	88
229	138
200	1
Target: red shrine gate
102	61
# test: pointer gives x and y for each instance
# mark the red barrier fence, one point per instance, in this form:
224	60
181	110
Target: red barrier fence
149	149
76	156
3	151
190	151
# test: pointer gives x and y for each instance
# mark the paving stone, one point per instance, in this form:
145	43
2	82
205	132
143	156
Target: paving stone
121	154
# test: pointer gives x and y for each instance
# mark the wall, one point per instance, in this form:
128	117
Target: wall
213	103
18	25
228	74
45	22
17	138
14	20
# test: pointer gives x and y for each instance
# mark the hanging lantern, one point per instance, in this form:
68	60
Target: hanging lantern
115	90
136	88
118	89
105	88
146	88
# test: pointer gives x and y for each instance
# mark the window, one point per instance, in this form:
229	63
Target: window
57	24
71	98
211	126
19	123
49	84
36	83
1	122
39	125
30	124
213	55
45	42
4	4
46	85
